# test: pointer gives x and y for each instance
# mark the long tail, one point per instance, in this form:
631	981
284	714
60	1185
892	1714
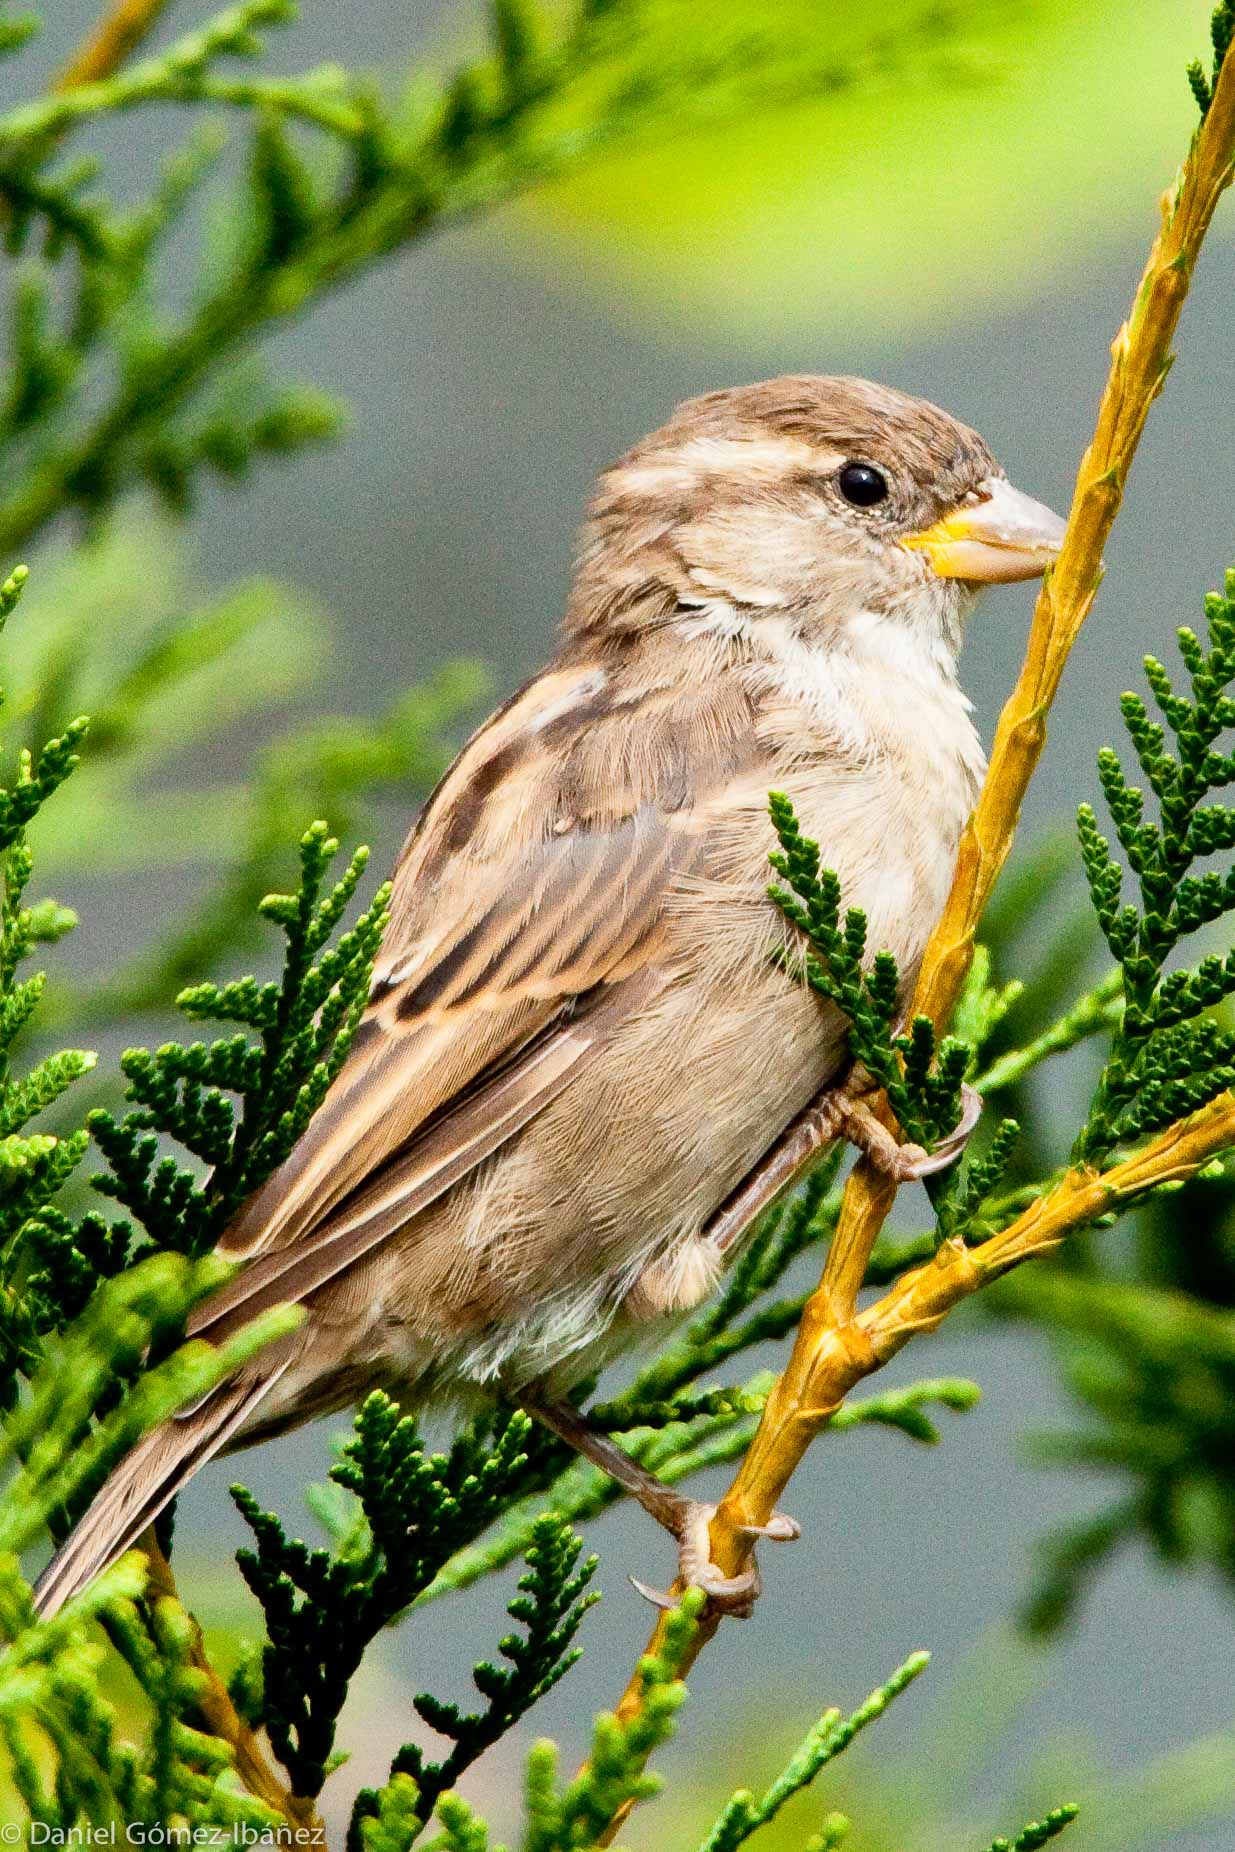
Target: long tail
145	1481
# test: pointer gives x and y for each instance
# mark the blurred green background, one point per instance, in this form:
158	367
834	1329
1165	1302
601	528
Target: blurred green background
963	214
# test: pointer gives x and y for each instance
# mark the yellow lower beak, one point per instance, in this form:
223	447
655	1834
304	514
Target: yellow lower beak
1003	535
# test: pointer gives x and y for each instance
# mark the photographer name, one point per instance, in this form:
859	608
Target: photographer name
139	1833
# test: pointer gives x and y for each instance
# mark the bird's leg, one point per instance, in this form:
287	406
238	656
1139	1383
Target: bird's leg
687	1519
837	1112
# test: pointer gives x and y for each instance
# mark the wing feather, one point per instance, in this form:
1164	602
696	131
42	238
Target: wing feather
535	879
436	1159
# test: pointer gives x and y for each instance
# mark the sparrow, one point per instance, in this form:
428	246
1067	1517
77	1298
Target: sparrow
583	1068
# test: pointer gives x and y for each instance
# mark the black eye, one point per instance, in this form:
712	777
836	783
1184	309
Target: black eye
862	485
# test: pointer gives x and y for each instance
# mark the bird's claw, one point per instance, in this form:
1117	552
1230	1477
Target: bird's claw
913	1163
733	1595
780	1528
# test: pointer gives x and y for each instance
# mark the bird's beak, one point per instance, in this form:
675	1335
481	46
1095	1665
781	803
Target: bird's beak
998	536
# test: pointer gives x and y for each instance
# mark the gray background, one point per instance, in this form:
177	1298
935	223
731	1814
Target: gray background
486	393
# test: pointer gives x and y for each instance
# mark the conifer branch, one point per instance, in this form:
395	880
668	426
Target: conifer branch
337	181
1038	1832
744	1815
1100	1008
836	1347
216	1706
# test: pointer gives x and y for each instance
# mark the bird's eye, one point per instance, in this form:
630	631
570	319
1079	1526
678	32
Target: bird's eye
862	484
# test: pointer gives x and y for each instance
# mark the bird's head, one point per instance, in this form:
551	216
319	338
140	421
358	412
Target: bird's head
830	500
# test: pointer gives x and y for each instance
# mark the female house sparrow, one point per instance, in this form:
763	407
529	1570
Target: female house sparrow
580	1072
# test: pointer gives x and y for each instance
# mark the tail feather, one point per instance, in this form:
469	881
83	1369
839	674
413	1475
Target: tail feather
143	1484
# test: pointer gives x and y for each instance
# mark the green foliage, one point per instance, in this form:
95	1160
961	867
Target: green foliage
61	1455
324	1607
1037	1832
70	1755
922	1085
830	1736
1221	32
922	1081
911	1789
415	1510
558	1818
47	1263
550	1605
118	380
301	1029
1169	1054
362	1588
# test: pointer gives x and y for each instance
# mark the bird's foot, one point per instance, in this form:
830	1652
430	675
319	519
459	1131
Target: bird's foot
684	1518
908	1162
733	1595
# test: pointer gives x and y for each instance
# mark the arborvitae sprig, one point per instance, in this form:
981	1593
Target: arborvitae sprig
278	1075
1168	1056
396	1822
71	1761
550	1606
558	1819
960	1209
70	1755
561	1819
922	1081
744	1815
84	1415
323	1609
1221	32
48	1263
922	1084
1038	1832
114	387
616	1770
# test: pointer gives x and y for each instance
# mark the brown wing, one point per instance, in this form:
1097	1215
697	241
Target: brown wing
527	909
526	923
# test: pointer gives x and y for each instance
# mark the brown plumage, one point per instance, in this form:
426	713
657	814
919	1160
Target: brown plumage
577	1046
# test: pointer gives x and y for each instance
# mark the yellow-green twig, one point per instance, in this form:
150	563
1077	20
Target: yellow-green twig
118	34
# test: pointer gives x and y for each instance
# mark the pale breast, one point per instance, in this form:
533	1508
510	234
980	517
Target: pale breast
882	770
